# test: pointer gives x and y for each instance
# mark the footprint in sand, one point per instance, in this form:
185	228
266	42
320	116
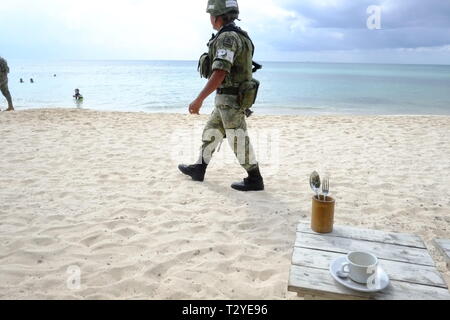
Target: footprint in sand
127	232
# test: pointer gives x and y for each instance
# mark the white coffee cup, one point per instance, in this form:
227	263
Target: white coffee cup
359	267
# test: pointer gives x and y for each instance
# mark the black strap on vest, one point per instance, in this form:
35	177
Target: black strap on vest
235	28
231	91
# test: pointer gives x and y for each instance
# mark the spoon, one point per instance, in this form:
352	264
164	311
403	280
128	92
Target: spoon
341	274
314	182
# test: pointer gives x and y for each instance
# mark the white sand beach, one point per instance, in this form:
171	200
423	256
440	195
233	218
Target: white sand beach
100	191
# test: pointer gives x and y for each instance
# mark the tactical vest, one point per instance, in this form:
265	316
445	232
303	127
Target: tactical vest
238	30
206	60
240	81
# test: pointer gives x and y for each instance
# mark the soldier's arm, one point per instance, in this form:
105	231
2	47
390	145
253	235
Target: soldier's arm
226	50
214	82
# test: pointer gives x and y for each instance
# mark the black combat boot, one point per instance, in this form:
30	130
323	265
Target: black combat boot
254	182
195	171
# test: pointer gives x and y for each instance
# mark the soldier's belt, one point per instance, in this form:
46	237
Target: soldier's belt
229	91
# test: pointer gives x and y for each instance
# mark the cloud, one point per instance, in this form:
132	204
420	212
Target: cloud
342	25
133	28
179	29
352	14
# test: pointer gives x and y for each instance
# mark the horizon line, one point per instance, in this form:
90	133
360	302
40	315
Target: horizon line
262	61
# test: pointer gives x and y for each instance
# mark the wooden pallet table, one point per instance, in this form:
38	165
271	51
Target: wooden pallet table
444	247
404	257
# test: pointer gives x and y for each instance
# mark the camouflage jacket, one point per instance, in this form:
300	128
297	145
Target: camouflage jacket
3	66
233	53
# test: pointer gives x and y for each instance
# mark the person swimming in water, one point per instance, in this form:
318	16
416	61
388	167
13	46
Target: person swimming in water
31	80
77	96
21	80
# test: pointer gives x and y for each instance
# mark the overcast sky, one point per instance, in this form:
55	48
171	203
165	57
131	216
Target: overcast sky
412	31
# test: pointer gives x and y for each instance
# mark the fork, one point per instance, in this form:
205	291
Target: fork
325	187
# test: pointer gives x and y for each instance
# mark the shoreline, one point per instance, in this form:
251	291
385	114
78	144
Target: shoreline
100	191
210	109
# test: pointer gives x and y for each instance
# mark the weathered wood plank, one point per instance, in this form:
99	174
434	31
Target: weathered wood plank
381	250
310	281
313	281
402	239
399	271
314	295
444	247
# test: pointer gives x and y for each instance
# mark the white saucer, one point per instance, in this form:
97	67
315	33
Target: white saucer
382	281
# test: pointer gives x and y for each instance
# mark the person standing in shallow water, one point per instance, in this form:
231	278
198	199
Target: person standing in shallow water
4	70
229	65
77	96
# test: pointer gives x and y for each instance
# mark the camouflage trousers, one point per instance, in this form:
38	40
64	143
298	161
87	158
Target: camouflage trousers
4	88
228	120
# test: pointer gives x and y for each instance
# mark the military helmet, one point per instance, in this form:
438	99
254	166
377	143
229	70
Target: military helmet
220	7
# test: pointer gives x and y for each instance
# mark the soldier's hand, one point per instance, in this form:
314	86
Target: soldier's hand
194	107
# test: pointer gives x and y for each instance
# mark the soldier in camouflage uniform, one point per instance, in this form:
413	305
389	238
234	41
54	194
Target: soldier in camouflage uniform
230	54
4	70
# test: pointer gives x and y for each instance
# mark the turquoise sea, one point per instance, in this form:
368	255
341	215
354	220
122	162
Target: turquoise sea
286	87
